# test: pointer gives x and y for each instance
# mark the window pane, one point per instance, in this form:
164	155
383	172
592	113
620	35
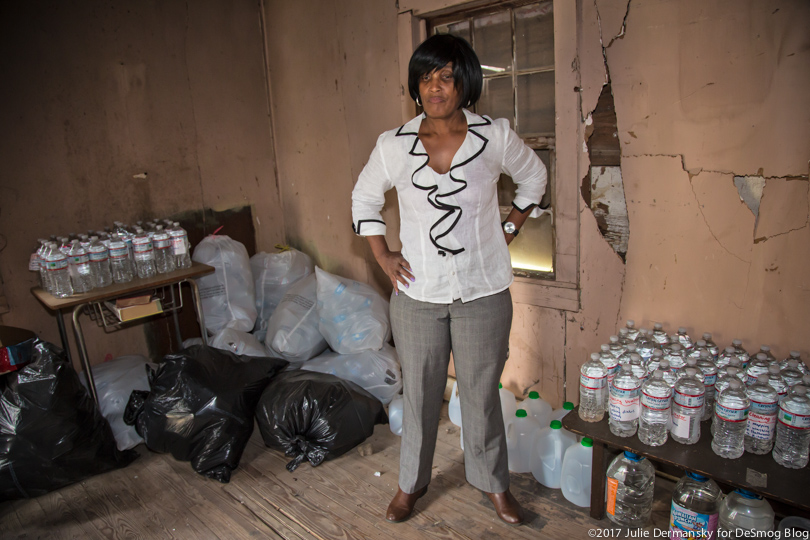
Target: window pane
535	103
460	29
533	248
493	42
496	99
534	36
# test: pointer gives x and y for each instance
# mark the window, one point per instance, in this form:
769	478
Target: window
515	43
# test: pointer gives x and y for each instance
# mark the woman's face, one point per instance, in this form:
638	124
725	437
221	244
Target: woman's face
438	92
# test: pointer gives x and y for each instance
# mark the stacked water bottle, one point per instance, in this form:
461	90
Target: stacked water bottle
659	386
76	264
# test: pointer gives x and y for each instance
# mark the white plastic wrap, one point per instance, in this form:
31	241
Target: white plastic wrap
228	300
115	380
292	331
238	342
353	317
273	275
378	372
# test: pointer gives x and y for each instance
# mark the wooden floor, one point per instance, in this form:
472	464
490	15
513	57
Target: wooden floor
158	497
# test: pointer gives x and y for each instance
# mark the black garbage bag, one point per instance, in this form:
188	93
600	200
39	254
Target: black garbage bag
51	433
316	416
200	407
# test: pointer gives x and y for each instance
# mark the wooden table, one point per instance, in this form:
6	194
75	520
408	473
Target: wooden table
79	302
757	473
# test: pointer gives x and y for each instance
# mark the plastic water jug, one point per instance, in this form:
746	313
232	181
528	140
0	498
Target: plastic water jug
538	408
559	414
521	435
454	409
508	405
576	473
395	415
547	454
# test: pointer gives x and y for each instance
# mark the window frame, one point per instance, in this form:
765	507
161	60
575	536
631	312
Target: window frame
560	289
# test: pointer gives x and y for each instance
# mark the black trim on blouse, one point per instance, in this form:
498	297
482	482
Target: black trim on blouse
360	224
433	197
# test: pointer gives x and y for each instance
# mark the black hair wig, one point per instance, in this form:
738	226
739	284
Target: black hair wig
438	51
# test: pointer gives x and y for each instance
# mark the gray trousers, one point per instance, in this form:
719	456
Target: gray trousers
478	334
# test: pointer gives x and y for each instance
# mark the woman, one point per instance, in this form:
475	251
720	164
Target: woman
454	269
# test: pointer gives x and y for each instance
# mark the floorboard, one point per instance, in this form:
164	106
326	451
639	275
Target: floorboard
341	499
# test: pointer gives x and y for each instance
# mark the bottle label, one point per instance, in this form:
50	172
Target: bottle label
760	426
162	243
624	403
655	403
98	256
794	420
685	523
612	488
709	380
685	426
690	401
730	414
592	383
33	263
119	252
57	264
179	241
79	260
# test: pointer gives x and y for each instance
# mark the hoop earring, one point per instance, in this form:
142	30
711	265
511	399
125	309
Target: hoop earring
418	102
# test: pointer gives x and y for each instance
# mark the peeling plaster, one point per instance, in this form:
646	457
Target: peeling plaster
750	189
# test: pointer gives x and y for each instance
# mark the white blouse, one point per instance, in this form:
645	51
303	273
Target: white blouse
450	223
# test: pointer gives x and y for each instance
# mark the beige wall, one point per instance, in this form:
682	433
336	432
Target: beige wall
95	93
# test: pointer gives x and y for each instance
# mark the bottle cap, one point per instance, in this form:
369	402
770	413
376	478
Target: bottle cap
631	323
681	330
568	406
704	354
696	476
700	343
747	494
675	347
730	350
595	356
707	336
500	386
762	356
658	352
614	339
732	370
690	371
793	363
658	326
521	413
762	378
534	395
799	389
735	383
587	442
795	354
605	347
632	456
658	374
736	342
556	424
773	369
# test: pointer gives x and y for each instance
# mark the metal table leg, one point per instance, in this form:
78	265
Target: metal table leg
195	294
80	345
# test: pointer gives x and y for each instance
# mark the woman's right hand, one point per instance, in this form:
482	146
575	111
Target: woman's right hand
393	263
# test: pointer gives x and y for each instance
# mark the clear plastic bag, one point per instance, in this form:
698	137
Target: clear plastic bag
273	275
238	342
292	331
377	372
115	380
353	317
228	299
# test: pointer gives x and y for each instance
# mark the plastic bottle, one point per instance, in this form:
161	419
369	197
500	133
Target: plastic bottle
629	348
656	399
616	346
79	268
165	261
742	513
793	429
655	360
538	408
756	367
675	356
454	407
725	357
659	336
120	262
766	350
99	263
791	373
624	403
144	254
794	355
761	425
623	337
742	354
730	416
508	405
395	415
670	375
690	362
687	407
695	507
694	352
576	473
58	273
559	414
637	367
592	389
645	346
611	364
547	455
729	373
706	365
630	486
683	338
632	331
775	379
180	246
521	434
711	346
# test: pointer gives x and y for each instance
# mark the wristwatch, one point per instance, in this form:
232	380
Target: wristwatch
509	228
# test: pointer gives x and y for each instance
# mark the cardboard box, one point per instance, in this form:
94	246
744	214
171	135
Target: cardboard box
130	311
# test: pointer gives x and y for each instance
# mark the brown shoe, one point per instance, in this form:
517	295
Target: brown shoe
507	507
401	506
